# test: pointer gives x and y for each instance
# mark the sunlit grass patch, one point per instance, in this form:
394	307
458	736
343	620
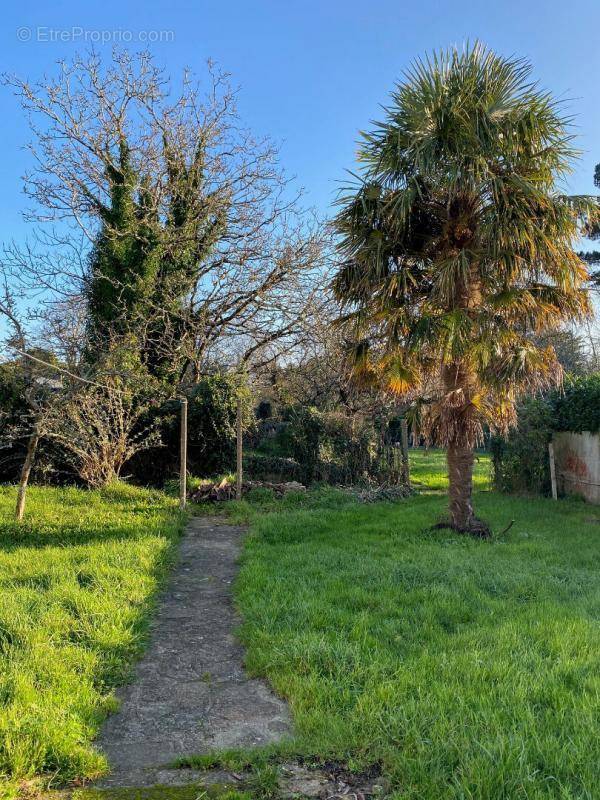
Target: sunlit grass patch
428	469
77	583
468	669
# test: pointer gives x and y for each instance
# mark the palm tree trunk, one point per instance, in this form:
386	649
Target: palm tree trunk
460	475
462	432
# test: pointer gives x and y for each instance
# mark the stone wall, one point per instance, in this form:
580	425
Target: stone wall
577	457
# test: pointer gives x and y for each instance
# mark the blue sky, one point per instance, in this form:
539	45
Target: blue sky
311	73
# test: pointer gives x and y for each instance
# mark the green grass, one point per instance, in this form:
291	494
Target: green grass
77	583
428	469
193	792
468	669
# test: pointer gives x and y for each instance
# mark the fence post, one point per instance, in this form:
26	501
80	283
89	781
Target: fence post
552	471
32	444
239	448
183	455
404	439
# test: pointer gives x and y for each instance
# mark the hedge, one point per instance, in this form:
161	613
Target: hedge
521	459
578	407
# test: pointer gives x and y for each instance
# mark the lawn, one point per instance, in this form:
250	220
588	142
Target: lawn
460	668
466	669
428	470
77	583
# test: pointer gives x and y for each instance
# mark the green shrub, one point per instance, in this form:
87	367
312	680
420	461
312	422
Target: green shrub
577	408
315	446
212	412
51	465
264	467
521	460
329	446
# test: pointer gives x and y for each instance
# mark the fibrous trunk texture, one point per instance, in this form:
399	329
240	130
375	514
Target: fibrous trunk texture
461	430
460	424
460	475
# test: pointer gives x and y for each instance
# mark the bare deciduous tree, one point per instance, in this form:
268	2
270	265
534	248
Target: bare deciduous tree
99	429
36	392
225	243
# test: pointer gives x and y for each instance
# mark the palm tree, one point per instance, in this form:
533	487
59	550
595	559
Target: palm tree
458	251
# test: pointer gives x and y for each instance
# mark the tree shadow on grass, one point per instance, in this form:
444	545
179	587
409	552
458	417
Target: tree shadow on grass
31	535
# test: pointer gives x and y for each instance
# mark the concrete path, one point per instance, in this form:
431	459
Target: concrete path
191	694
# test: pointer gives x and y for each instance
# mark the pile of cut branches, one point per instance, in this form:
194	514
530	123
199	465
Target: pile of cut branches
378	494
211	492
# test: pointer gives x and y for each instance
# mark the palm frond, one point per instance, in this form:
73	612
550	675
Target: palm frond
458	247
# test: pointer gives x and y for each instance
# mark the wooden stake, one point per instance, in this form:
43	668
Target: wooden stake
240	453
26	471
183	456
404	440
552	471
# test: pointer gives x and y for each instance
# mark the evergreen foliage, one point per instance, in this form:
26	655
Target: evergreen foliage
144	266
521	460
458	249
212	413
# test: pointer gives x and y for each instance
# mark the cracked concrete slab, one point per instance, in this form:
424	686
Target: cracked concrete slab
190	694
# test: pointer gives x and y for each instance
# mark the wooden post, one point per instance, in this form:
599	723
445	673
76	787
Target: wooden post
26	471
404	439
240	450
552	471
183	456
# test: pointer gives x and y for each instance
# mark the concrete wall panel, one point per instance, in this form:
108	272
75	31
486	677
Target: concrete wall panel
577	457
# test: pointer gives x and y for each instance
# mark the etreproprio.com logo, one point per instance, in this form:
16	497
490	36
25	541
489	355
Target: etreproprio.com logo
76	33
